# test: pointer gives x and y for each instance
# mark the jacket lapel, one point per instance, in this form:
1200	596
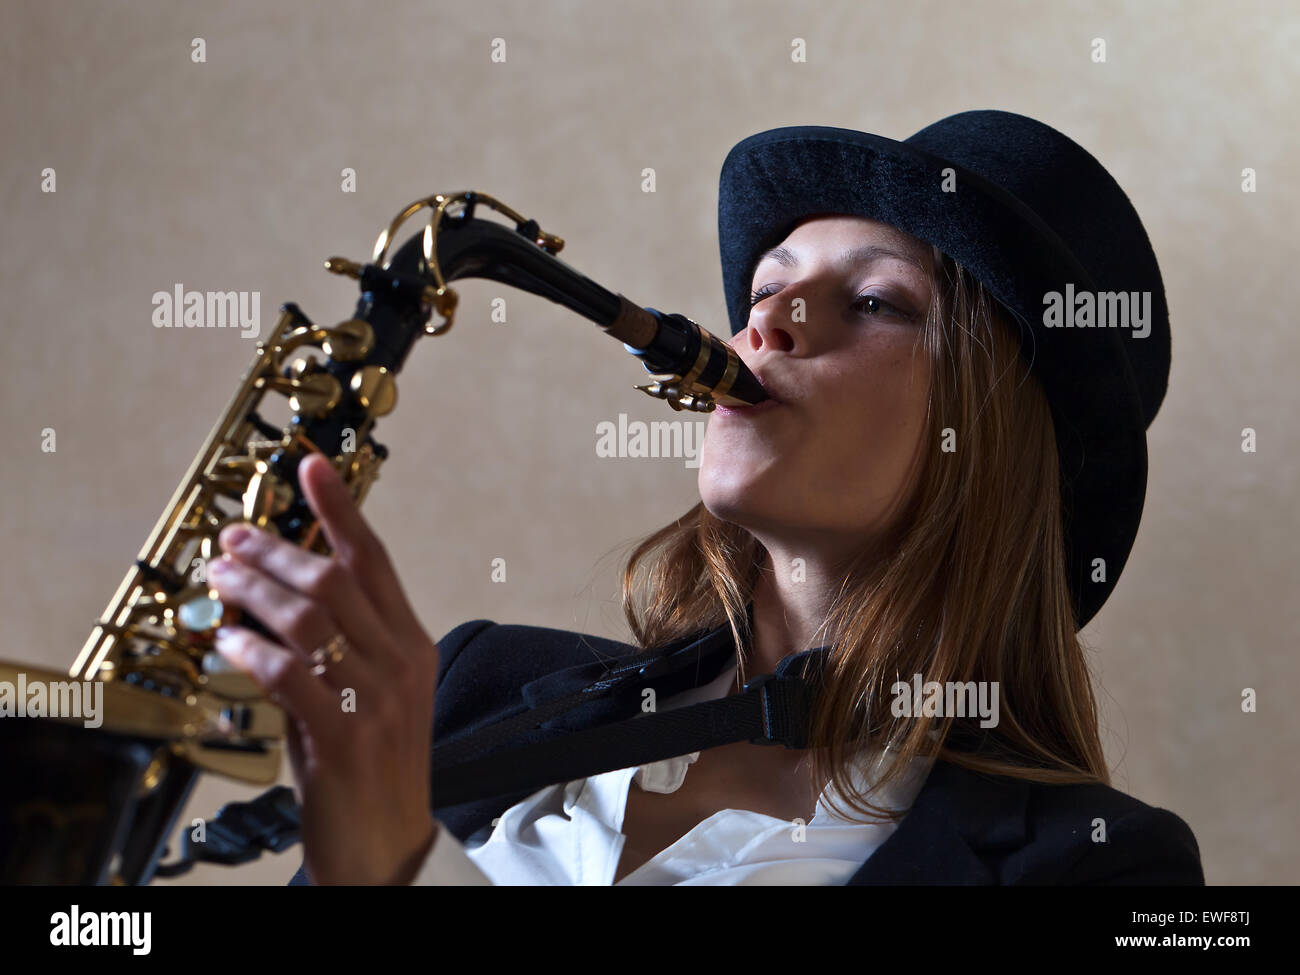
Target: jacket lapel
960	824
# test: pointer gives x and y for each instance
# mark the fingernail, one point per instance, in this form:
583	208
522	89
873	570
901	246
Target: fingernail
243	655
215	663
227	645
237	536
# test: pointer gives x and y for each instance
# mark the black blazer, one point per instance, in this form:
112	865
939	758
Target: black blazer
963	827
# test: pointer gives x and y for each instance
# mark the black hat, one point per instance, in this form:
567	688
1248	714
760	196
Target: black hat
1028	212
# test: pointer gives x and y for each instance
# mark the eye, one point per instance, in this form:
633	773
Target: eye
865	301
873	304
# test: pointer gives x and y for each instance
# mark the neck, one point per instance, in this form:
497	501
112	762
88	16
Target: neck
791	602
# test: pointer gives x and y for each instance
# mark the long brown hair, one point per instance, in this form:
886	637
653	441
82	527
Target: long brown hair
971	586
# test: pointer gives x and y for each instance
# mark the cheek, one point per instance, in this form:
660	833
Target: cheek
883	412
886	377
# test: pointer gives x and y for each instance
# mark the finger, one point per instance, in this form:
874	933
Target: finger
352	540
300	622
320	578
283	675
299	756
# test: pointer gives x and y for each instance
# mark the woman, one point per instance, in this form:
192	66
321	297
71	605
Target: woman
942	492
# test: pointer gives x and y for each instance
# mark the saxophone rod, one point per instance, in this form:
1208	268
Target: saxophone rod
99	644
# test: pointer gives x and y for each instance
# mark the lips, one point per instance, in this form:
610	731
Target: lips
774	398
763	407
767	386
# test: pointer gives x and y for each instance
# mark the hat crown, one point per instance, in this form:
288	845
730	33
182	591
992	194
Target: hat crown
1074	195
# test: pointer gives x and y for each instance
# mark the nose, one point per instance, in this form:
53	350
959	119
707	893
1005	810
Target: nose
769	330
780	322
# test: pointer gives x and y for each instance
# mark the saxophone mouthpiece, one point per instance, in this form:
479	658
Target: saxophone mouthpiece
695	369
745	389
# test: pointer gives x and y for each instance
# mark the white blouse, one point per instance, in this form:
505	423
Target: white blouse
571	833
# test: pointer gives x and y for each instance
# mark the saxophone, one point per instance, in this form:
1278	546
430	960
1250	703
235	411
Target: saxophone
95	805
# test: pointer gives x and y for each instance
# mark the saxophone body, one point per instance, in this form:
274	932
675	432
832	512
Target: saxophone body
96	805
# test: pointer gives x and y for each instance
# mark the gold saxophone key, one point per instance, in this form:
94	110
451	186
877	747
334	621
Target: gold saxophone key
375	389
349	341
314	394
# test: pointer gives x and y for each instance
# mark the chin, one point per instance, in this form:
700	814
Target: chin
746	494
736	503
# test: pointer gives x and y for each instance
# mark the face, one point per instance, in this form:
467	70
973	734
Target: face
835	335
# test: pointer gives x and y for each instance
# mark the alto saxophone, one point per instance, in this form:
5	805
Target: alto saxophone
96	805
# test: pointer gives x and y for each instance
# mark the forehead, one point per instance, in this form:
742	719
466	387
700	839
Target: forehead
851	240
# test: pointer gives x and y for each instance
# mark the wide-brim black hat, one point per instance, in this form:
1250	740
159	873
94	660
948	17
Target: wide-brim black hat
1027	211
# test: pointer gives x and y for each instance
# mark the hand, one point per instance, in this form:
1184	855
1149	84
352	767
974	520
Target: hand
360	734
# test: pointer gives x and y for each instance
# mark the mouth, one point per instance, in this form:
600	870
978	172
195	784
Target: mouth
764	407
767	405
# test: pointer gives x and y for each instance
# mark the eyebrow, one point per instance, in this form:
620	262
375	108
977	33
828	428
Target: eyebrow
854	255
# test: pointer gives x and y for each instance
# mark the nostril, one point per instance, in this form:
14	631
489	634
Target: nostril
773	338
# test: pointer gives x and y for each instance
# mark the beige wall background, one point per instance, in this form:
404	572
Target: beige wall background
226	175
